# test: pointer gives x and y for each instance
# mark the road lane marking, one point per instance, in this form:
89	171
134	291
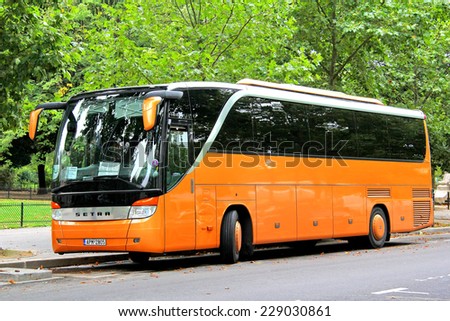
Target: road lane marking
431	278
390	291
399	290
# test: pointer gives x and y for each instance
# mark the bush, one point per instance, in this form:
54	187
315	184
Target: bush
7	177
26	177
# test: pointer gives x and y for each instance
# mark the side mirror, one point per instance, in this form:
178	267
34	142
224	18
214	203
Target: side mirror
34	119
151	102
150	111
34	116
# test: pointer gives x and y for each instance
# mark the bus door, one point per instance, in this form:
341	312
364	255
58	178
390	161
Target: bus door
179	199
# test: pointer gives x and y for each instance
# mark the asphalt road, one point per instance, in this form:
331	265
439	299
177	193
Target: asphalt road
408	268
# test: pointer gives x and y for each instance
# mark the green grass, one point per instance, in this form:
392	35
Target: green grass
35	213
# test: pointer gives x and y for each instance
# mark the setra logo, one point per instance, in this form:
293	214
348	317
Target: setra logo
92	214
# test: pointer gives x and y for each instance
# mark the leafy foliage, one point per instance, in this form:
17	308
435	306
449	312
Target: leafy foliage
390	50
31	52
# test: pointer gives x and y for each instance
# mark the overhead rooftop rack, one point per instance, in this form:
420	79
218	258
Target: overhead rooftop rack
308	90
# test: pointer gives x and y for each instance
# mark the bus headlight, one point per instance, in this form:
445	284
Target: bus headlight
141	211
143	208
56	211
57	215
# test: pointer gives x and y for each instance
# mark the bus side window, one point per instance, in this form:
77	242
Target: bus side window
373	135
236	134
178	154
406	138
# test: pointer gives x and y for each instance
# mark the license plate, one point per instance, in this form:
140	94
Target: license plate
94	242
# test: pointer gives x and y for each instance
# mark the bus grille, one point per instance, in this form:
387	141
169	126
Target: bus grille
379	192
422	212
421	193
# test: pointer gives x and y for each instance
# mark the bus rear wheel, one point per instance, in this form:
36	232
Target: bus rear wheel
230	237
378	228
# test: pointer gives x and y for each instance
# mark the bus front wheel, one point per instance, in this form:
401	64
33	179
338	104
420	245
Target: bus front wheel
139	257
378	228
230	237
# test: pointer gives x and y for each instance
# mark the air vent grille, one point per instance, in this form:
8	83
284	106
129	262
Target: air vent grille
379	192
422	212
421	193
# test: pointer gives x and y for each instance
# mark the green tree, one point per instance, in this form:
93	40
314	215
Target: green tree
31	51
145	42
395	52
51	50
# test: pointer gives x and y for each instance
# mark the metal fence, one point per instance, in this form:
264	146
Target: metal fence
24	194
24	214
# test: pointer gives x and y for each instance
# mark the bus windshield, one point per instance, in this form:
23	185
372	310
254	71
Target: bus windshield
102	146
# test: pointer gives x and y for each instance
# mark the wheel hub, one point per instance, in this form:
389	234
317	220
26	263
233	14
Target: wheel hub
378	227
238	236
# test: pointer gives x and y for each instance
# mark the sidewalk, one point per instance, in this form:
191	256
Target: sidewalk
36	251
36	243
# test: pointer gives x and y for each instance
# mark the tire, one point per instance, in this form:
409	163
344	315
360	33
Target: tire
378	228
230	238
247	248
139	257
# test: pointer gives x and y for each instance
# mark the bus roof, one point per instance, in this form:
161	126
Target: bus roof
270	90
308	90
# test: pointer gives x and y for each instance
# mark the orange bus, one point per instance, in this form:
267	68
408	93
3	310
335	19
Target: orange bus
195	166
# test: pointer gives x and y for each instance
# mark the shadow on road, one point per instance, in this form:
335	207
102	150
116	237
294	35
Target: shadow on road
178	262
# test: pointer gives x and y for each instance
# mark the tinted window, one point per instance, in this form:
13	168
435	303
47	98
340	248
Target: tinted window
202	106
263	125
298	128
274	127
332	131
372	135
237	133
406	138
286	128
317	125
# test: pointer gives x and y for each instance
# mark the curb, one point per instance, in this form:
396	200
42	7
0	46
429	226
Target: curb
61	262
38	269
12	275
427	231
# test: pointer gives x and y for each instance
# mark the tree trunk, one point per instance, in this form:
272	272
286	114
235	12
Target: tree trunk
334	50
41	176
